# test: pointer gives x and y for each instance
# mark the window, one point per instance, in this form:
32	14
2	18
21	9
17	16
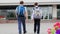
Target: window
46	12
58	11
8	11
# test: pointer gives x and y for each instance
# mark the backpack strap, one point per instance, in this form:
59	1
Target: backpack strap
35	8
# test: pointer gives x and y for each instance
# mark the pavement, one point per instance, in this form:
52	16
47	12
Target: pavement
12	28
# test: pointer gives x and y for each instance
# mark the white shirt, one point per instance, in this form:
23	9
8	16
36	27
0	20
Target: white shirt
33	12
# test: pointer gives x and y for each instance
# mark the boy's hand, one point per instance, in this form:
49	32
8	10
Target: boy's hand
32	20
26	20
16	16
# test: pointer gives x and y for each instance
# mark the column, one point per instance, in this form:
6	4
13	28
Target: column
54	11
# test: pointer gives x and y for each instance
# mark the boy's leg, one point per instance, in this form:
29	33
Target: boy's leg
24	24
35	25
38	26
19	26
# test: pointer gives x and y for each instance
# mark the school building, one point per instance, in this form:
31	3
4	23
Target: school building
50	8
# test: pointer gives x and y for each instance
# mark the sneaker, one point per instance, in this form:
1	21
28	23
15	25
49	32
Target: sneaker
25	32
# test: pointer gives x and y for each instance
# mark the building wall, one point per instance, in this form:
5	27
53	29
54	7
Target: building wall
41	2
54	11
16	1
29	2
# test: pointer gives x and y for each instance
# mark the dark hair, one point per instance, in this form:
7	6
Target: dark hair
35	3
21	2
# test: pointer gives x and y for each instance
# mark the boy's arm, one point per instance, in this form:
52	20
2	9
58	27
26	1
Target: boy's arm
16	12
40	12
32	14
26	13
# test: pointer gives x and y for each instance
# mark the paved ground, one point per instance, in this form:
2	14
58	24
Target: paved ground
12	28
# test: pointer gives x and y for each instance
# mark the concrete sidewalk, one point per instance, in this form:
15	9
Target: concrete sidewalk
29	21
12	28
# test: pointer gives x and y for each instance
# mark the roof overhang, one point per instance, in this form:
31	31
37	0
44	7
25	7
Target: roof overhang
31	3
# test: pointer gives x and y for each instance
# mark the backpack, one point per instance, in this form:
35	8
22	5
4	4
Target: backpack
21	10
36	13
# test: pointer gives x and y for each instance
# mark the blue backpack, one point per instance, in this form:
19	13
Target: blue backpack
21	10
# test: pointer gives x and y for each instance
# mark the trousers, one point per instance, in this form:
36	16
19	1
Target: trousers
21	21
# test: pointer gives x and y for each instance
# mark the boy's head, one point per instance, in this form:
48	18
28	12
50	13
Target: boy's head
35	4
21	2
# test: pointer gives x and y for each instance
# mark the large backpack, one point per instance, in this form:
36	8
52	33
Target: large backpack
36	13
21	10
